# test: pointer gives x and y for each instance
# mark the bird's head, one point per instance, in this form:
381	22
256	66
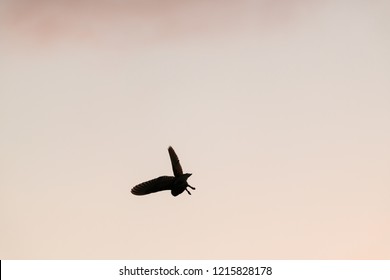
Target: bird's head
182	185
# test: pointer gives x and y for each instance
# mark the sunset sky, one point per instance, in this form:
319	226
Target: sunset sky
279	109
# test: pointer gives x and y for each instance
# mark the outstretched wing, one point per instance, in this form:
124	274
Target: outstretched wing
162	183
177	170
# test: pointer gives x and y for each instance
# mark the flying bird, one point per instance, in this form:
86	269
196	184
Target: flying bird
176	184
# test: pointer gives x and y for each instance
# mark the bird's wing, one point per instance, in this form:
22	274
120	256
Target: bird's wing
177	170
162	183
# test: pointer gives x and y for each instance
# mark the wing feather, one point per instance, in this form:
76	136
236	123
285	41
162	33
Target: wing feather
162	183
177	170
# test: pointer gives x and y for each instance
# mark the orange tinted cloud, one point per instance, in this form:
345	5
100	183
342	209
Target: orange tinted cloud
136	22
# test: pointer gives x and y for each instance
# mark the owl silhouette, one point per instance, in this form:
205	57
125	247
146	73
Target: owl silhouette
176	184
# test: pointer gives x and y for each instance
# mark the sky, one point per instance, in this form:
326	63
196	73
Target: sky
279	109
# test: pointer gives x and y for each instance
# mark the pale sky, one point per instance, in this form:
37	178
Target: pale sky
279	109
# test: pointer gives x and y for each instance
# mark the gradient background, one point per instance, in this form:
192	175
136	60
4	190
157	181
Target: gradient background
280	109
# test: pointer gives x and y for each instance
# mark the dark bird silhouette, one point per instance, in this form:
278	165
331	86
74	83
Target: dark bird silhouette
176	184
